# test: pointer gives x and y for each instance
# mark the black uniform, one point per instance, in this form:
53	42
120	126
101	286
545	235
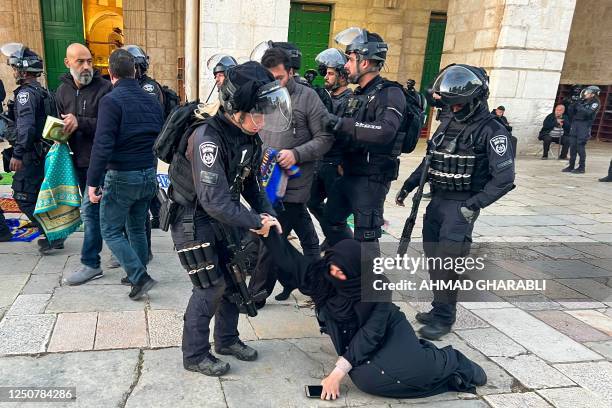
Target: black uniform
152	87
327	171
220	151
30	119
582	114
370	127
484	145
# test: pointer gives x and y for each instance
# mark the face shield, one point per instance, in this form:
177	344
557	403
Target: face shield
351	35
259	50
220	62
272	111
14	52
457	85
589	92
136	51
331	58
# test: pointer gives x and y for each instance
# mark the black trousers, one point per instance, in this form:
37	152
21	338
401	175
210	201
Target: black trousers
577	147
322	185
209	302
26	186
294	217
363	196
446	234
4	229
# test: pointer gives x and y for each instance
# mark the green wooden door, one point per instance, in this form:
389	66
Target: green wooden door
62	26
309	31
433	52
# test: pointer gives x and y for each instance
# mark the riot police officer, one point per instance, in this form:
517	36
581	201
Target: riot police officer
472	167
331	66
29	150
150	85
370	126
225	154
219	63
582	114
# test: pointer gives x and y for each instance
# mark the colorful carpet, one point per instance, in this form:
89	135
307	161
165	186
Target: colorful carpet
20	232
8	203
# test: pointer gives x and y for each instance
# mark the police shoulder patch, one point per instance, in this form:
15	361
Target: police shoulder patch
148	87
499	144
208	153
595	105
23	97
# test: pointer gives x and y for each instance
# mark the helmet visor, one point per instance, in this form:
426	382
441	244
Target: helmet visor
220	59
259	50
272	111
351	35
135	50
589	91
457	81
331	58
13	50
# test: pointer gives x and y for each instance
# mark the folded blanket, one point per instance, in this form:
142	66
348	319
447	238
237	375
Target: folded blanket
57	207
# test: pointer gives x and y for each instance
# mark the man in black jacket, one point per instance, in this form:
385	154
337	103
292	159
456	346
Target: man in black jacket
555	128
128	123
582	114
77	101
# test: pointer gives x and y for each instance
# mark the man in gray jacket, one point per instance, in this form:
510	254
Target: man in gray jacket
305	142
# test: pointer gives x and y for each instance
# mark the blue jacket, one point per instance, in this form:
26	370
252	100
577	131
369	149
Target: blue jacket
129	120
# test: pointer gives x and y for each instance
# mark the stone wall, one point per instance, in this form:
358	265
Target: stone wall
235	27
522	45
588	59
19	22
155	25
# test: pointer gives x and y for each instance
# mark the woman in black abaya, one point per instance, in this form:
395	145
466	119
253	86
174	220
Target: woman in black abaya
376	344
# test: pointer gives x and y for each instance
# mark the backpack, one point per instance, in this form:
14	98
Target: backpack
171	100
175	126
49	101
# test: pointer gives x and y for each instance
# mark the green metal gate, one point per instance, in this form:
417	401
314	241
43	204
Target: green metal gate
433	50
62	22
309	31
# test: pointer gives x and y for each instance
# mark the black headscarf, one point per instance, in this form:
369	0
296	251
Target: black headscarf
342	298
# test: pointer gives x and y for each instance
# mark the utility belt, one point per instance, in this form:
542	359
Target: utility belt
197	258
453	163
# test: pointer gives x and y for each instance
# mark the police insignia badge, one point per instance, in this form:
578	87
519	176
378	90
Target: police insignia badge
594	105
499	143
148	87
208	153
23	97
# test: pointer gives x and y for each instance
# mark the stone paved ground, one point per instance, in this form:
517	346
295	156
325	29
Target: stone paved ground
539	349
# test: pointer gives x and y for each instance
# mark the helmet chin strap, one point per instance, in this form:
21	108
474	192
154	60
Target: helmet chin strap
239	123
472	107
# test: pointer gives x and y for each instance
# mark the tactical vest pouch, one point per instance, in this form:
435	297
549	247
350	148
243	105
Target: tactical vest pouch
168	210
181	178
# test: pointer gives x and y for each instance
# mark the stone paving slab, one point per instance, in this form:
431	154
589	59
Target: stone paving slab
52	264
579	304
594	376
491	342
525	400
101	378
568	268
533	372
594	319
283	322
25	334
443	404
533	302
556	290
93	298
10	287
536	336
164	382
121	330
573	397
18	264
170	295
29	304
165	328
603	347
74	332
590	288
41	284
570	326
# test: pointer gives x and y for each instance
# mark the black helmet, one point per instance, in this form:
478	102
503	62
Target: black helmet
365	44
220	63
331	58
141	59
295	56
22	58
591	89
251	88
460	84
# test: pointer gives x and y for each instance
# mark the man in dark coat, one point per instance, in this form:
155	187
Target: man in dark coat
555	128
582	114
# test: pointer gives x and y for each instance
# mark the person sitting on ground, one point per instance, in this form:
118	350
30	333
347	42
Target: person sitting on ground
376	344
555	128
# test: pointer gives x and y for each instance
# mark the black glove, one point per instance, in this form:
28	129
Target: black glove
402	194
331	122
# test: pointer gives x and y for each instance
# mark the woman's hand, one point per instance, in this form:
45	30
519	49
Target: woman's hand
331	385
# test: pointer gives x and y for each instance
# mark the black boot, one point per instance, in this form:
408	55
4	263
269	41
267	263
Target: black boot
210	366
608	178
434	331
578	170
284	295
239	350
425	317
568	169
